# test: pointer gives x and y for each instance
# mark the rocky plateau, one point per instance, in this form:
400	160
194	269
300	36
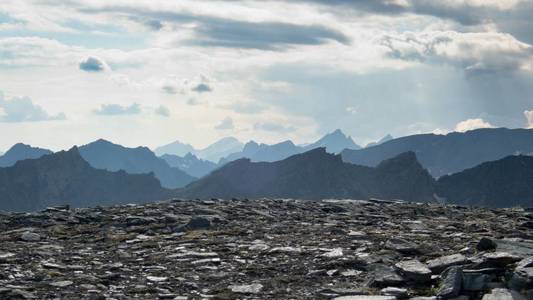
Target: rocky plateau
268	249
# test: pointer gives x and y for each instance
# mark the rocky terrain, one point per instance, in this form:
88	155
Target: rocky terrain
267	249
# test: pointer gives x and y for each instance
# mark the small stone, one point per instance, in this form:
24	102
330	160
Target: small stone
486	244
247	289
30	237
156	279
394	291
383	276
61	284
401	246
337	252
414	270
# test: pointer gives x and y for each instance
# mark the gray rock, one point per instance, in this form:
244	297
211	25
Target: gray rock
475	282
383	276
255	288
440	264
30	237
365	298
503	294
401	245
61	284
450	285
394	291
414	270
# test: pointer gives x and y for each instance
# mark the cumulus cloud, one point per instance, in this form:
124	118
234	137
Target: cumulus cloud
93	64
472	124
475	53
274	127
117	109
22	109
202	88
162	111
226	124
529	118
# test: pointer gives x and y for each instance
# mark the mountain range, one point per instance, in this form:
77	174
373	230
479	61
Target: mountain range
451	153
103	154
484	167
66	178
213	152
333	142
316	174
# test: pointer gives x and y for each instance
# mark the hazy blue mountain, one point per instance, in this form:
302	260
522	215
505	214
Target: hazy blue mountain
384	139
263	152
175	148
316	174
213	152
102	154
451	153
20	152
334	142
190	164
503	183
66	178
220	149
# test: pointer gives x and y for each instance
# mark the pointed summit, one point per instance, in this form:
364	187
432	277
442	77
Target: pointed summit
334	142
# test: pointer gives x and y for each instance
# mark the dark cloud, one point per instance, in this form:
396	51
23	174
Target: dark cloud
226	124
220	32
274	127
117	109
92	64
202	88
22	109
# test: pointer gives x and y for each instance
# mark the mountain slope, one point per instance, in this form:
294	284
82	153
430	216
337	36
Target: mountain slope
190	164
451	153
316	174
105	155
66	178
503	183
384	139
20	152
334	142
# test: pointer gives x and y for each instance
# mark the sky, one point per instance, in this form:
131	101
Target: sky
149	72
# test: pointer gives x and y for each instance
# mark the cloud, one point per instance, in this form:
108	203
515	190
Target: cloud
170	88
352	110
93	65
211	31
274	127
202	88
475	53
529	118
117	109
472	124
162	111
22	109
226	124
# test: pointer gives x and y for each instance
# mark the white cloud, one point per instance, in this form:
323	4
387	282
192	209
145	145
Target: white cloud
22	109
473	52
472	124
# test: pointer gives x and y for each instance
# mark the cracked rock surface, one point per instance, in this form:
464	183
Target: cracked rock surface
267	249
